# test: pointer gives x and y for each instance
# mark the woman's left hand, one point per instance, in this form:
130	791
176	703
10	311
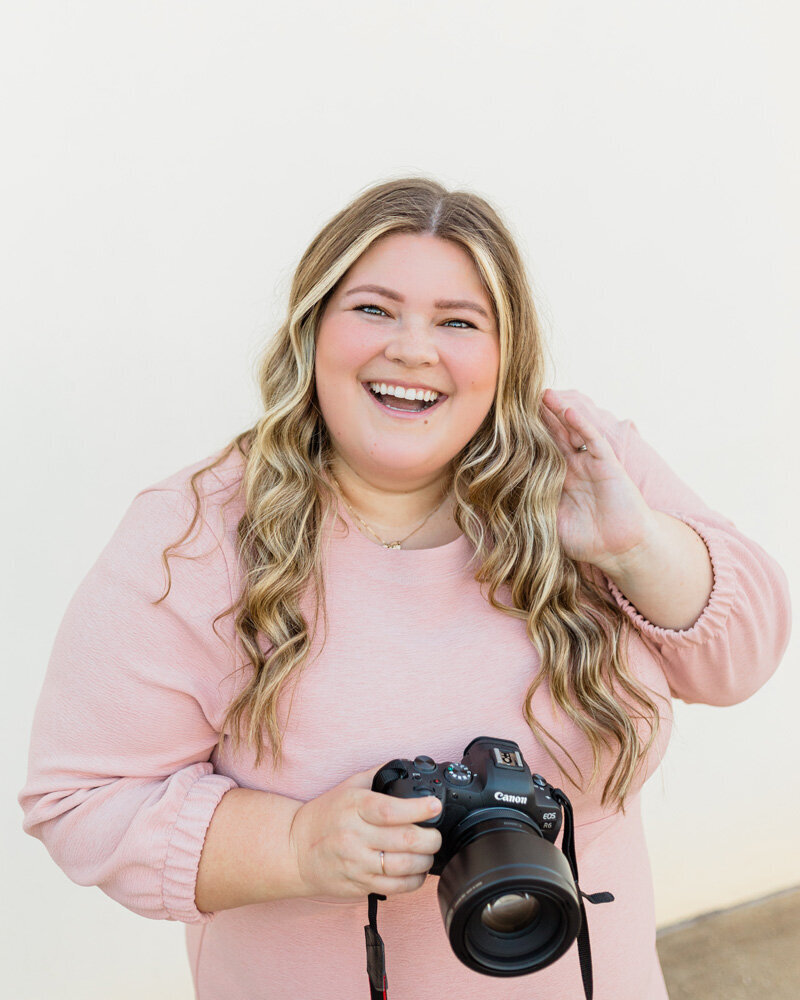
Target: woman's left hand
603	519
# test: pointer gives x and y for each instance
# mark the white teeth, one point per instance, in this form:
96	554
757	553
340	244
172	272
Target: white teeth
389	390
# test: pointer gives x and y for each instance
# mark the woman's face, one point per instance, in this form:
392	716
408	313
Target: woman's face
406	338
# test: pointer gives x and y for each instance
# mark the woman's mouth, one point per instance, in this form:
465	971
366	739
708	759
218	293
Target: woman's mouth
391	406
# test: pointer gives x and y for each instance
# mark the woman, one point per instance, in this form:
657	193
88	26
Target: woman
610	587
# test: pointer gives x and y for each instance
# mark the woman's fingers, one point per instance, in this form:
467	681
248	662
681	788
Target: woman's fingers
406	839
402	865
570	426
565	428
386	810
388	886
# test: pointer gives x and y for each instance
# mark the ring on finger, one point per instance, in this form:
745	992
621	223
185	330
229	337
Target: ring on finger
382	868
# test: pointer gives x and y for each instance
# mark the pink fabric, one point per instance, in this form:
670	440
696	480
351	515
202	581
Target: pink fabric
122	780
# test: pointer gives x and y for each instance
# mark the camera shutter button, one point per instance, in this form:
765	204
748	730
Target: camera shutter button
424	764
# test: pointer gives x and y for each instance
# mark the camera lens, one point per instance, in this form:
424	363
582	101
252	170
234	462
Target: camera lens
508	899
511	912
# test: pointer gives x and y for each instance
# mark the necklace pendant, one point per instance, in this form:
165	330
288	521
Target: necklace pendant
391	545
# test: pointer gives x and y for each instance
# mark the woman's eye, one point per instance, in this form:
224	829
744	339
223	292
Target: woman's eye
465	322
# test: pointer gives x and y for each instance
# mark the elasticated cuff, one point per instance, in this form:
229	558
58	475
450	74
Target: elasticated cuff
712	620
179	881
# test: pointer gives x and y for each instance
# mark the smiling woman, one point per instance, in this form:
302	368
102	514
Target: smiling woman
393	465
459	554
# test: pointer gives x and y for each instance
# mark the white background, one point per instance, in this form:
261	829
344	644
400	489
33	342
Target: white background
164	166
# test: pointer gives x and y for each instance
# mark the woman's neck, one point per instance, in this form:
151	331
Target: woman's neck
393	512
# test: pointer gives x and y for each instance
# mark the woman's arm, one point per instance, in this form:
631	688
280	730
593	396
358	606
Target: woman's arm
120	786
736	643
669	578
247	856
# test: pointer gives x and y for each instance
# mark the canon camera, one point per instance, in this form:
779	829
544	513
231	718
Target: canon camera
508	896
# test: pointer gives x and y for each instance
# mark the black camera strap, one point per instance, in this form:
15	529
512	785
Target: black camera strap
376	961
568	848
376	964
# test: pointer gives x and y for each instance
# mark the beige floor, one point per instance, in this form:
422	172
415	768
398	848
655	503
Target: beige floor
751	952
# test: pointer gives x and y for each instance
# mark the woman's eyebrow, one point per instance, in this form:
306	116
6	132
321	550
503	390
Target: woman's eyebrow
441	304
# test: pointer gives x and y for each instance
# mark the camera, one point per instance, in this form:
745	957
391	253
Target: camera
508	896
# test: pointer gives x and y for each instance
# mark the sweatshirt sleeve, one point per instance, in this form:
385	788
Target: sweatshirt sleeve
739	639
120	786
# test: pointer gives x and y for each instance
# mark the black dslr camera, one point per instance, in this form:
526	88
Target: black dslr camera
509	898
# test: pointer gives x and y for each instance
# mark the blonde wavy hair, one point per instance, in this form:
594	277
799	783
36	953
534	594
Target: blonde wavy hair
506	481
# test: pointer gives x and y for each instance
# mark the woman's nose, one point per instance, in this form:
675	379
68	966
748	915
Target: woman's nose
413	344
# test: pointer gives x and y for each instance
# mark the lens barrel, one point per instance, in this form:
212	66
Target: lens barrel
508	900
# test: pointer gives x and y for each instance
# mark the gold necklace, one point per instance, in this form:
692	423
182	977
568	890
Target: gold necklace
386	545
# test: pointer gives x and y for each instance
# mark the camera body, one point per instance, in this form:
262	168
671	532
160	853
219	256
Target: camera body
508	897
492	782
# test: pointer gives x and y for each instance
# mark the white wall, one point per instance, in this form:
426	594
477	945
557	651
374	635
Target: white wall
165	165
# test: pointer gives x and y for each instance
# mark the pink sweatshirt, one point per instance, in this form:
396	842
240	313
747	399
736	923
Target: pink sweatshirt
122	780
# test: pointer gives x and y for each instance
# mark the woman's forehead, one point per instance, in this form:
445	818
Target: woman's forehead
420	261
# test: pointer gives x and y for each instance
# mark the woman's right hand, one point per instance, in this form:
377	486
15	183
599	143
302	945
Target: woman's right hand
337	839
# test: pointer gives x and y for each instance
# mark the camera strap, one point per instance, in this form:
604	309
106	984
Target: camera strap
376	960
376	964
568	848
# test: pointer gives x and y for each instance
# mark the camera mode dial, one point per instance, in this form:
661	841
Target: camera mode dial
457	774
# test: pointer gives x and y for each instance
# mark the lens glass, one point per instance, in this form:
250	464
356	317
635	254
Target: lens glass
511	913
508	899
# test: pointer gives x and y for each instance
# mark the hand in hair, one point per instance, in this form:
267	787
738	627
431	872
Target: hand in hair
603	518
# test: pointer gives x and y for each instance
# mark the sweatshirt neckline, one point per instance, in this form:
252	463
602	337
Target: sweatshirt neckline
449	559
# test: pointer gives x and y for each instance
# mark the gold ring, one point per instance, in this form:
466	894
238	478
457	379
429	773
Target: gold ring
382	868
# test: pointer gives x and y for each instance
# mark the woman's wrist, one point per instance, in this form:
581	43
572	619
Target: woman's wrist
247	856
